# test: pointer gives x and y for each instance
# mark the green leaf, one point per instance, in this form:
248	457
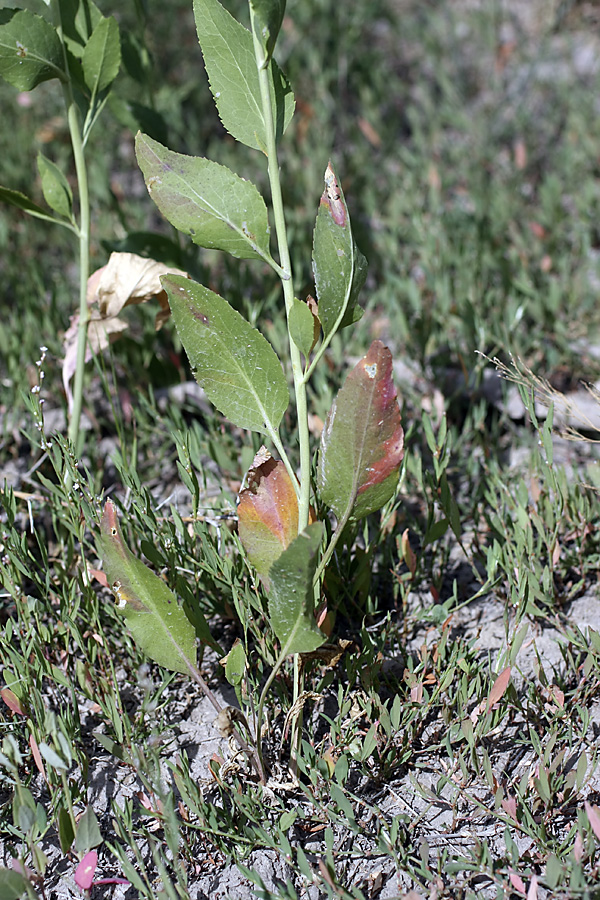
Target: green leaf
216	208
291	596
267	513
268	16
12	884
88	832
304	325
21	201
52	757
30	51
234	363
65	830
102	56
339	267
228	50
235	665
78	19
56	188
362	443
157	623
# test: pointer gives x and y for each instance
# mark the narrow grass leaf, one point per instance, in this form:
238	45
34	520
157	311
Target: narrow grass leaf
267	514
228	50
56	189
362	443
234	363
158	624
30	51
339	268
102	56
291	596
211	204
268	16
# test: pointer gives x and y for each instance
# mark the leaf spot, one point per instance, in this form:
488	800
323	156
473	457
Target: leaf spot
199	316
371	370
113	531
21	50
120	596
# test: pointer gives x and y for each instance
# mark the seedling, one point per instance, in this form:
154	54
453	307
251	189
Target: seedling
361	447
81	49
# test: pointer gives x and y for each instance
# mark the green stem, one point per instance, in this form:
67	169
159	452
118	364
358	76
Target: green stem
254	757
286	279
263	696
84	240
333	542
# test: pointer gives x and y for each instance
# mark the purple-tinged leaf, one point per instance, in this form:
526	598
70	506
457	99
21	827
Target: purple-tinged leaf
362	443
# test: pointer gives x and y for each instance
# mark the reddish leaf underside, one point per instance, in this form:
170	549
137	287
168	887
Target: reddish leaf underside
267	512
362	444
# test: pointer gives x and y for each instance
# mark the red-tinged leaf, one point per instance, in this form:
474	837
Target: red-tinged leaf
407	553
533	886
578	847
517	882
99	576
12	701
362	443
84	873
498	688
267	512
509	805
37	757
594	818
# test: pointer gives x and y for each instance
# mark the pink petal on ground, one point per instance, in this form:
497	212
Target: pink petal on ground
84	873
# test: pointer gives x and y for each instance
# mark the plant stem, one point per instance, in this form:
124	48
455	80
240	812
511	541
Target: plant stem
286	281
83	232
263	696
339	528
254	757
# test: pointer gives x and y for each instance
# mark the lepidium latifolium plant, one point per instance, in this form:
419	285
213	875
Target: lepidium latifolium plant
358	461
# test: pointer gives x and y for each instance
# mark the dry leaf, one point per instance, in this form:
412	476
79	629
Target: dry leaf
126	279
498	688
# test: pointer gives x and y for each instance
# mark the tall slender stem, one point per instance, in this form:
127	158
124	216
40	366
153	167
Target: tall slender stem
84	239
286	281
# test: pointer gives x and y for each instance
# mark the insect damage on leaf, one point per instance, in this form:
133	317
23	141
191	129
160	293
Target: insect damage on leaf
158	625
332	197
